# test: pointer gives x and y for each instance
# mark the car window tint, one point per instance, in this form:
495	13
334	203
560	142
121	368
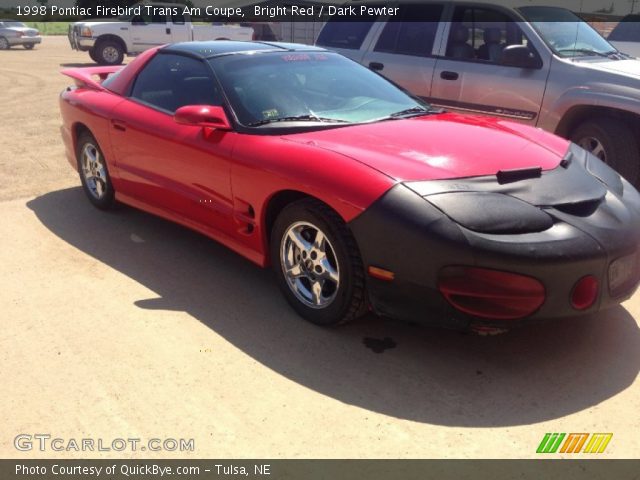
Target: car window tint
172	81
628	30
339	34
482	34
411	37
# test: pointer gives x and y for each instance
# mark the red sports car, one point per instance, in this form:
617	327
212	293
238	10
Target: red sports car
358	194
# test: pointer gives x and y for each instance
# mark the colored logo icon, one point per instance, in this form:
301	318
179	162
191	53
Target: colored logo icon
574	443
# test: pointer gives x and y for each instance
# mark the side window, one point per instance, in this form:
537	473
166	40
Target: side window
481	34
410	37
339	34
169	82
146	19
177	19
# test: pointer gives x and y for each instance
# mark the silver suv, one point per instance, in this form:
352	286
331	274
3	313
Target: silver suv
539	65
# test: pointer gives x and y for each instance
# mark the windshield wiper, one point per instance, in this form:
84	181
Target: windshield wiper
297	118
586	51
410	112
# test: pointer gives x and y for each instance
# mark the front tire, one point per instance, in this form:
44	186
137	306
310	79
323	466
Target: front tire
29	46
4	44
317	264
613	142
94	173
109	52
93	55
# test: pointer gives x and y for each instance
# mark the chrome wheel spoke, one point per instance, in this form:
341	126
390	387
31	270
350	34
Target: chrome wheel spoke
316	292
329	272
299	241
294	272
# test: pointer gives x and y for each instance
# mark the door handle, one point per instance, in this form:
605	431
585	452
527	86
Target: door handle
445	75
119	125
377	66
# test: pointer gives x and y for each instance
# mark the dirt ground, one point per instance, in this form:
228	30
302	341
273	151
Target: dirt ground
121	325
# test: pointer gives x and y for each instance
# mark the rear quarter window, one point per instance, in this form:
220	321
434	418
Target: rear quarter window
628	30
340	34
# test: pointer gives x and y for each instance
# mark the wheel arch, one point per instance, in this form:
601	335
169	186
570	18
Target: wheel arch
581	113
278	202
115	38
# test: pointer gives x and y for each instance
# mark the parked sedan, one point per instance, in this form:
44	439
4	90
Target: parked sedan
359	195
17	33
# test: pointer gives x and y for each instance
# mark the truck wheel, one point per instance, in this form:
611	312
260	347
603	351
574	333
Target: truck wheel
92	55
613	142
109	52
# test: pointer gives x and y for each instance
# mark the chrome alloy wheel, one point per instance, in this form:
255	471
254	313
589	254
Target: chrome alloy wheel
93	170
309	265
593	146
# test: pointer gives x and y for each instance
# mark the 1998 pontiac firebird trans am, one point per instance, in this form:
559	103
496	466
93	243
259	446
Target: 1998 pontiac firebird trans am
359	195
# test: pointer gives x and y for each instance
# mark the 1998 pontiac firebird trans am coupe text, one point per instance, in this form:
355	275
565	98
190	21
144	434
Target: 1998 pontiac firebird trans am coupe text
359	195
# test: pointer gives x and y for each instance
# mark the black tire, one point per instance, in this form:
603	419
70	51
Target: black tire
109	52
103	199
4	44
29	46
349	298
619	145
93	55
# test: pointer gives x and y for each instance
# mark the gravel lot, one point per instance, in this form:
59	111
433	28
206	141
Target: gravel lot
122	325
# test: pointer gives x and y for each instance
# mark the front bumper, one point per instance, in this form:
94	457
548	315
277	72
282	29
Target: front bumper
404	233
78	42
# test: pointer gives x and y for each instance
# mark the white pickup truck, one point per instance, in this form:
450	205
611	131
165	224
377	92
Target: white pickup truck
150	25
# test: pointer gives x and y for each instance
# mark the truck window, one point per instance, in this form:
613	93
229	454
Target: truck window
628	30
481	34
177	19
410	37
340	34
169	82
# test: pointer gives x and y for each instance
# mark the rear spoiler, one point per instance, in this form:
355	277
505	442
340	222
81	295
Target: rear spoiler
86	77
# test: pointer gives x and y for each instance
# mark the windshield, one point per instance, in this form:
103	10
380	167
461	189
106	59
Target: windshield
266	88
566	33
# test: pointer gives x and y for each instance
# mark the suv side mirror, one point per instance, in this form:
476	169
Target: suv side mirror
520	56
203	116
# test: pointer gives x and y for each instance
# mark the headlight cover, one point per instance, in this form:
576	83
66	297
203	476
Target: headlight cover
493	213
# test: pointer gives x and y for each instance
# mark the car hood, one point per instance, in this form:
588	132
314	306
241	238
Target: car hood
629	67
442	146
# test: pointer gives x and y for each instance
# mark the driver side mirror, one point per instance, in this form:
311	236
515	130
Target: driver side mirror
520	56
208	116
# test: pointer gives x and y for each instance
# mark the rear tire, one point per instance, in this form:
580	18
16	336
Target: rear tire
94	173
613	142
317	264
4	44
109	52
93	55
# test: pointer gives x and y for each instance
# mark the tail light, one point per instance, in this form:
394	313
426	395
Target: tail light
585	292
491	293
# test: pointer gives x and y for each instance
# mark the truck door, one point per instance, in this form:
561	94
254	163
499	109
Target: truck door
149	31
470	74
180	28
404	50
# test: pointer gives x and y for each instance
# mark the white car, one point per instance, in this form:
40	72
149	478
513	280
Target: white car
626	36
152	25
